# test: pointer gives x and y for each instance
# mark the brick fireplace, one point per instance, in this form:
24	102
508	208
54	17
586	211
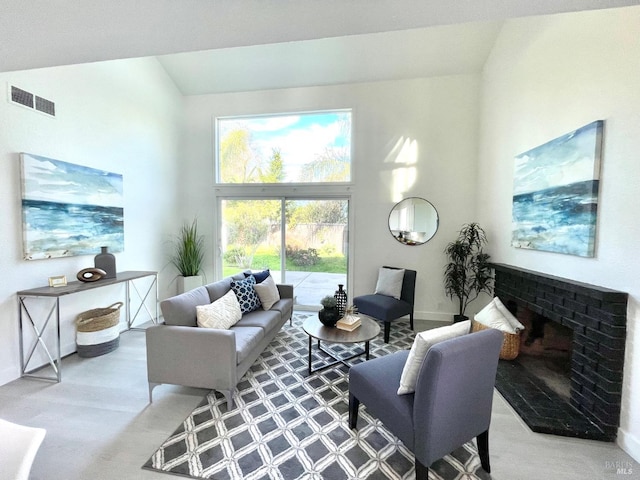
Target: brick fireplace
597	317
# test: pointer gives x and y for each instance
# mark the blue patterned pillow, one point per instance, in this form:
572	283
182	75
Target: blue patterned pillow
247	296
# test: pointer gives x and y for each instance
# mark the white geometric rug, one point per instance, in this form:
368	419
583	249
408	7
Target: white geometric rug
287	424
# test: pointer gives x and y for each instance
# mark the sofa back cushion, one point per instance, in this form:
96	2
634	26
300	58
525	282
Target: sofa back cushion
218	289
181	309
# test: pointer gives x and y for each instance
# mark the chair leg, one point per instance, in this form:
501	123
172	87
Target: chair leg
422	472
411	320
387	330
354	403
483	450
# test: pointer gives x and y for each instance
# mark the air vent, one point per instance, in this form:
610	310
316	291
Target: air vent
45	106
29	100
21	97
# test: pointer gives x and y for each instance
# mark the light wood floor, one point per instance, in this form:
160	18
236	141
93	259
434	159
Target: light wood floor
100	425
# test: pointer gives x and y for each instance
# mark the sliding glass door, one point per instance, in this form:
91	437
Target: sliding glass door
303	241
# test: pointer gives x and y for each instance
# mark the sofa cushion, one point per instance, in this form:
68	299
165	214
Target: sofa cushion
247	296
267	292
181	309
421	345
222	313
247	338
218	289
267	320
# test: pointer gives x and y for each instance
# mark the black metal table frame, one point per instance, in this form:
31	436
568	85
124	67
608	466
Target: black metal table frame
365	352
39	328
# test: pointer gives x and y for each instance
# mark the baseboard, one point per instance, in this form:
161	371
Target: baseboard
629	443
445	318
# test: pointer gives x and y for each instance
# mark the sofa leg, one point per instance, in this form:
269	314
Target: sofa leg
151	387
354	403
483	450
387	331
228	395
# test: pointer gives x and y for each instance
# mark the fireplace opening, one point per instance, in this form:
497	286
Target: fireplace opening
545	352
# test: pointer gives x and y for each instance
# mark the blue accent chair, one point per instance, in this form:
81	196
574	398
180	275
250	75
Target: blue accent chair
386	308
452	402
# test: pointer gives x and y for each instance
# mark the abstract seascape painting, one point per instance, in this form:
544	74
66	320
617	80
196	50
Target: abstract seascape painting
555	193
69	209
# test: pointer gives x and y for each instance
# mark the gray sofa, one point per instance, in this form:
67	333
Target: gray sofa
181	353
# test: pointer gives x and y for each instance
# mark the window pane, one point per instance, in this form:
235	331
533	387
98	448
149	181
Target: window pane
291	148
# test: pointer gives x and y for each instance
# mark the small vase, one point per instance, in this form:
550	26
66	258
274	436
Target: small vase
106	261
329	316
341	300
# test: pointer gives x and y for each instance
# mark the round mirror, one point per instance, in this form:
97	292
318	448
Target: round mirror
413	221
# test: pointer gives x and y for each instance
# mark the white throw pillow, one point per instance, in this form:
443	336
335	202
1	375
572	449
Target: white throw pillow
496	315
421	345
221	314
390	282
267	292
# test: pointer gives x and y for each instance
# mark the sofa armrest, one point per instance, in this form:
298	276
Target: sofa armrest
192	356
285	290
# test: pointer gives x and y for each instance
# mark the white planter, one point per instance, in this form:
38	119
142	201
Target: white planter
189	283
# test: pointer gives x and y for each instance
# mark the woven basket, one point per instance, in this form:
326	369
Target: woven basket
98	318
510	345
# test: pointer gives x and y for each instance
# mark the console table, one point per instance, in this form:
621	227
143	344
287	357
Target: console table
52	295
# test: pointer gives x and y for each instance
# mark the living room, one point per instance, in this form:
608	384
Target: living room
542	77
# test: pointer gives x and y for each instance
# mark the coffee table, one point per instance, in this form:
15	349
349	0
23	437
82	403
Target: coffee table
368	330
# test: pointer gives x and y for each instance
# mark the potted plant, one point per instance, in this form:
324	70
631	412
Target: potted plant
329	314
188	257
467	272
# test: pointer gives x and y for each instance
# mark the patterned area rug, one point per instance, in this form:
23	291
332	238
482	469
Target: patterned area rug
290	425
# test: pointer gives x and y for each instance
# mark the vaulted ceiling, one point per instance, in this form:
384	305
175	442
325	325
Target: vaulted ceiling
210	46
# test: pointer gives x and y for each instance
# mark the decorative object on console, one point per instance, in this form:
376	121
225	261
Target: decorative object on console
91	274
467	272
106	261
63	202
188	257
555	193
328	315
341	299
58	281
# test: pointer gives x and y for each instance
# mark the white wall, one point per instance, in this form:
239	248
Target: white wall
548	76
121	116
411	138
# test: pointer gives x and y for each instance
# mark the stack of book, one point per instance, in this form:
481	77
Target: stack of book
349	323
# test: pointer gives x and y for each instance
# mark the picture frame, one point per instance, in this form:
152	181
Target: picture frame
58	281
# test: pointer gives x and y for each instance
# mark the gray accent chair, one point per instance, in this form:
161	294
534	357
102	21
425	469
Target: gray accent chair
386	308
452	402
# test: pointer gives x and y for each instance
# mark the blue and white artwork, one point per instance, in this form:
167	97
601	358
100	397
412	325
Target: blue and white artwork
69	209
555	193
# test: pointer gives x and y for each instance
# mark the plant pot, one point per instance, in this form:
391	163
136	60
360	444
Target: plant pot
459	318
329	316
186	284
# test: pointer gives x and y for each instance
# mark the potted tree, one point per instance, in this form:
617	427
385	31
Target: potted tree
188	257
467	272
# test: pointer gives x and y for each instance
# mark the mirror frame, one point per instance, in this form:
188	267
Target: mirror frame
411	237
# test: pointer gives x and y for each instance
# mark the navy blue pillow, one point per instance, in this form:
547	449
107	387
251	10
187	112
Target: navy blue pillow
259	276
247	296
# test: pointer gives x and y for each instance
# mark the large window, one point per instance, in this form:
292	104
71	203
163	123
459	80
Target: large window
286	148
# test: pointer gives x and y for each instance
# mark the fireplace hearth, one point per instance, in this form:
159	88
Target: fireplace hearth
587	404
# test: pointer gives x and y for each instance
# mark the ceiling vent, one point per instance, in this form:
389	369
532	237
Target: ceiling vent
27	99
